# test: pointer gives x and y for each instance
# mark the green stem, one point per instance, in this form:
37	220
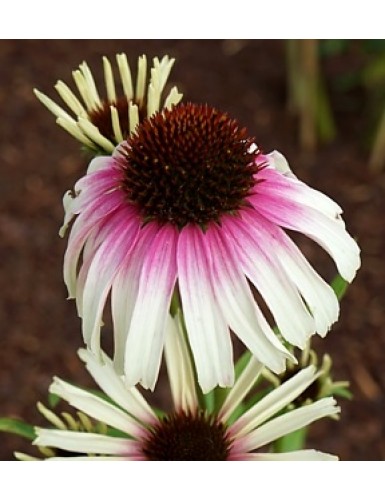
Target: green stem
377	158
292	442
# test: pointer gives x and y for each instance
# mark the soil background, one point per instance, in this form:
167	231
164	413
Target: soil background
39	328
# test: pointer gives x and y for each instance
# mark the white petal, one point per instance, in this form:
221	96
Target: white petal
90	83
179	367
274	401
265	272
313	221
304	455
146	335
289	188
289	422
279	162
68	205
319	296
94	134
237	304
53	107
69	98
95	407
112	384
173	98
73	128
109	80
124	292
89	443
241	388
211	347
125	75
88	458
106	263
141	79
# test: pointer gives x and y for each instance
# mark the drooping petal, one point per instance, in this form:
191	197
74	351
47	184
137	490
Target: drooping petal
86	223
265	272
125	289
179	368
277	183
104	266
311	215
146	335
237	305
211	348
96	407
287	423
88	443
319	296
274	401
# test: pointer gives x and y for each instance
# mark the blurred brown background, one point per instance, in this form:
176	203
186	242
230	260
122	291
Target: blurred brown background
40	331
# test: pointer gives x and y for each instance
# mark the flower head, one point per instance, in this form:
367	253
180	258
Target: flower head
190	206
102	123
187	433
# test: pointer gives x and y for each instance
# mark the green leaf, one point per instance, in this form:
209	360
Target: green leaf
17	427
339	285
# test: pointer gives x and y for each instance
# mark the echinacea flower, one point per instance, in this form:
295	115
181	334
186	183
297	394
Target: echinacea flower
187	433
101	123
190	206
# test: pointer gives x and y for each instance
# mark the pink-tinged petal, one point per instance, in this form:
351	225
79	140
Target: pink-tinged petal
319	296
98	183
266	273
105	264
315	221
211	347
146	335
86	222
270	182
237	305
125	289
82	442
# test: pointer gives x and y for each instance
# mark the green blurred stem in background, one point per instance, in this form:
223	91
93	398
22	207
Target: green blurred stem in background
307	97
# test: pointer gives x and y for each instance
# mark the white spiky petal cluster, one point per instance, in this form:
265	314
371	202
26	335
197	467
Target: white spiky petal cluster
80	125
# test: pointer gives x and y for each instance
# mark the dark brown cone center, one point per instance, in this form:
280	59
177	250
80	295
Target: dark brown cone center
190	164
187	437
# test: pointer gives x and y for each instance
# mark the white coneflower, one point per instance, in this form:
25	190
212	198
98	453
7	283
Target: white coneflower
189	203
100	123
188	433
